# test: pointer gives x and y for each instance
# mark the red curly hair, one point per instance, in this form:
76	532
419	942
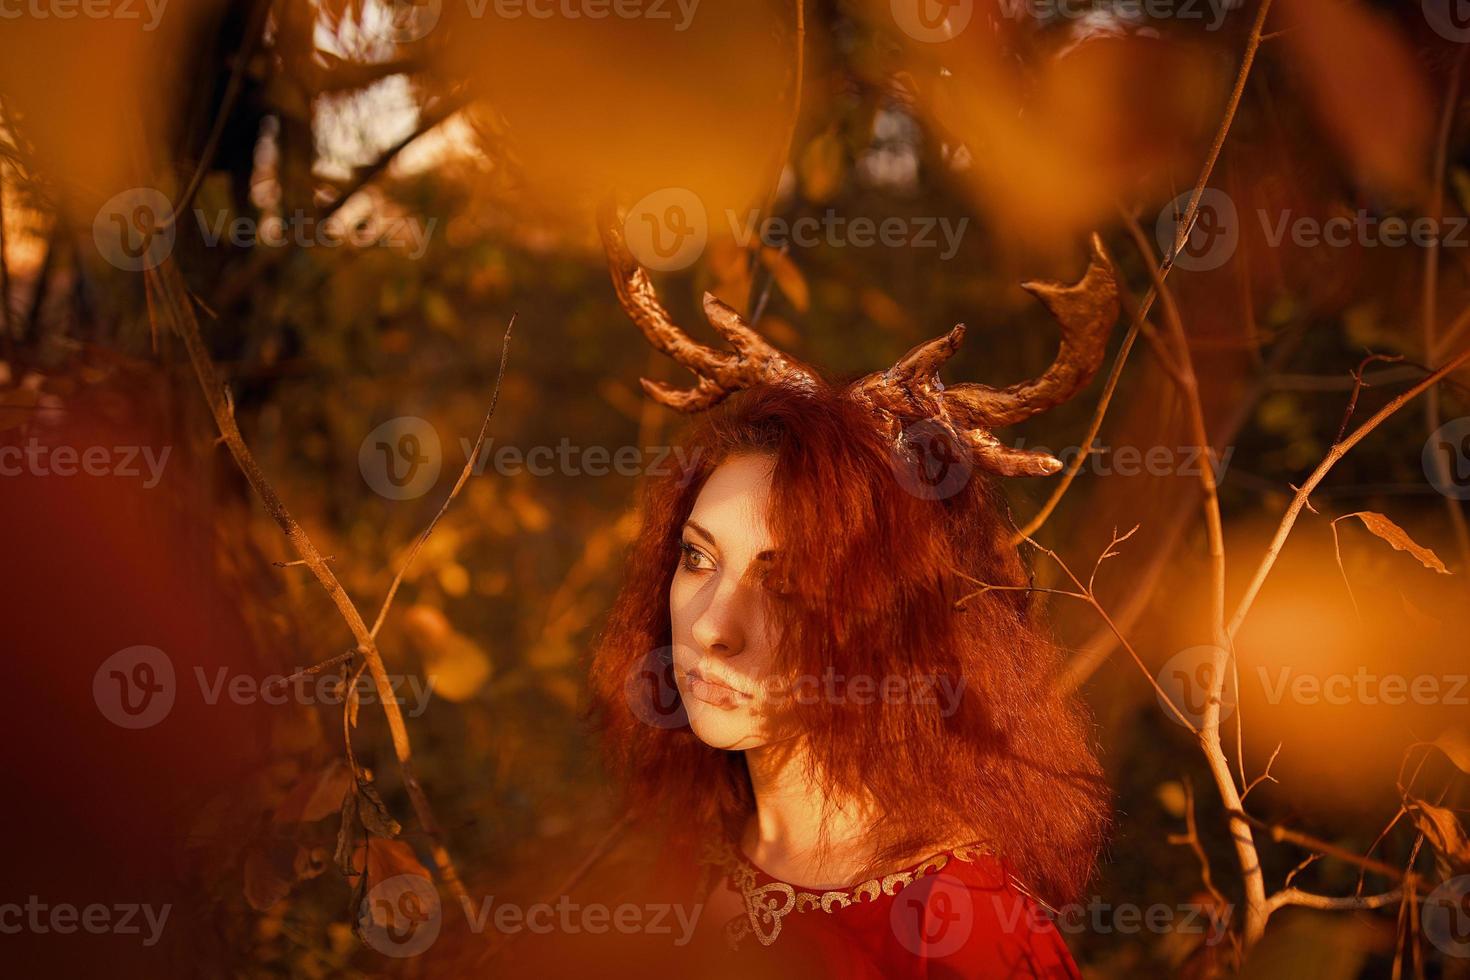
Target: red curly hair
871	574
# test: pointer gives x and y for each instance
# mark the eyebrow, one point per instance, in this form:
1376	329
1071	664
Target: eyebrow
700	530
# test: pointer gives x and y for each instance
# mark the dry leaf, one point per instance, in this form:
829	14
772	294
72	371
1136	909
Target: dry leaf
1455	744
1446	836
317	794
1398	537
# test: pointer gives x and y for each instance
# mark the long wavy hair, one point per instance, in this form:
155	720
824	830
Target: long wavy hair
879	578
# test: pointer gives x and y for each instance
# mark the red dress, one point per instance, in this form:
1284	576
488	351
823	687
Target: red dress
959	913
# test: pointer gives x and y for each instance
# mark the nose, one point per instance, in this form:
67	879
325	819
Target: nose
719	627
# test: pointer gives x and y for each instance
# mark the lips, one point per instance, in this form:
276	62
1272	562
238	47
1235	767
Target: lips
713	691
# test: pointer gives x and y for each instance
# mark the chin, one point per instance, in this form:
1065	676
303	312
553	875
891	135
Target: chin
720	728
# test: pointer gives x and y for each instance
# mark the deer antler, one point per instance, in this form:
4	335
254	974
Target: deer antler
907	392
911	389
721	373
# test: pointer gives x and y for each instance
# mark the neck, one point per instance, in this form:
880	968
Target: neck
797	833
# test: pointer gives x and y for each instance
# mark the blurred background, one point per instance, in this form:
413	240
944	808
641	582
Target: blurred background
354	197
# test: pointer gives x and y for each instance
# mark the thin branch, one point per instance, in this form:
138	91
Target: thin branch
1337	452
166	283
1295	896
1186	223
1191	838
464	476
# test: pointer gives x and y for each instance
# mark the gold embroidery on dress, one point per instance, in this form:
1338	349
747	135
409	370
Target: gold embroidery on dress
767	905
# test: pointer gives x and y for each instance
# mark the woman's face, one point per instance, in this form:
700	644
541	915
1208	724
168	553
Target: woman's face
717	606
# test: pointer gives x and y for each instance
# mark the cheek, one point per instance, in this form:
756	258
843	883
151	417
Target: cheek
681	605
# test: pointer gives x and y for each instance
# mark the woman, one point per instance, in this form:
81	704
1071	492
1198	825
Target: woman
810	681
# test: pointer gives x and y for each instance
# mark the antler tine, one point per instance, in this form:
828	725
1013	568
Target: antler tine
924	360
1086	311
640	301
721	373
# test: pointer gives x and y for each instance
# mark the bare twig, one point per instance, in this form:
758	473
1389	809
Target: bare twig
1337	452
1430	298
167	286
1295	896
464	476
